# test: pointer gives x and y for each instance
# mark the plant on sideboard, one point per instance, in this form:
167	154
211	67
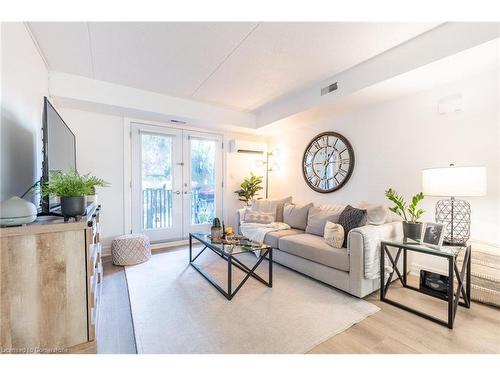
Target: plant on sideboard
73	189
410	213
249	188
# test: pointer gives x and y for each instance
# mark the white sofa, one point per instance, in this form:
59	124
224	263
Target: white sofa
347	269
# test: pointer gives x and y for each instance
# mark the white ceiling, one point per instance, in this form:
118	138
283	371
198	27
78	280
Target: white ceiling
238	65
439	74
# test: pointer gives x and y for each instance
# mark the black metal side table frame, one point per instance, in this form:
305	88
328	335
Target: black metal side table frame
232	261
463	277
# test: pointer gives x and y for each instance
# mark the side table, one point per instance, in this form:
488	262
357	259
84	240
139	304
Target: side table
451	253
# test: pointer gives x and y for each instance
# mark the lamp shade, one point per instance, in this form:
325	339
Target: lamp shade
454	181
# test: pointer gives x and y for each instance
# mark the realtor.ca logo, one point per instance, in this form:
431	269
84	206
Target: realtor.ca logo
35	350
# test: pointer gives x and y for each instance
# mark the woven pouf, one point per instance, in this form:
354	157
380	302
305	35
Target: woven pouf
130	249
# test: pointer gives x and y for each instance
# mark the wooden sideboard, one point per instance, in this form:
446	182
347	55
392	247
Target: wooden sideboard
50	282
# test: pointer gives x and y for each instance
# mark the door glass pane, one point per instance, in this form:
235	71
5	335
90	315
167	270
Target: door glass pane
156	180
202	180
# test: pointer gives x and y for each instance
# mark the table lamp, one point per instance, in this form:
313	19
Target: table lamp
454	182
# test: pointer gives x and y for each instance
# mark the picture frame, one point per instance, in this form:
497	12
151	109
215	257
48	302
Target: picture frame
433	235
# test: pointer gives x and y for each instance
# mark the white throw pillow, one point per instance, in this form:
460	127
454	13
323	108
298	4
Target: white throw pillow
252	216
376	214
334	234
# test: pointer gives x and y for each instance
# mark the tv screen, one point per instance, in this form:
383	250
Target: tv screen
59	148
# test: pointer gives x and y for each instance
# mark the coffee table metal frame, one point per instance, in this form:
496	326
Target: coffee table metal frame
231	261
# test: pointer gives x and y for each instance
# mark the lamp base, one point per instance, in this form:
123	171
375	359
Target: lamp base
455	215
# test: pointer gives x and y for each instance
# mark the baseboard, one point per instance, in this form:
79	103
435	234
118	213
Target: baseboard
416	267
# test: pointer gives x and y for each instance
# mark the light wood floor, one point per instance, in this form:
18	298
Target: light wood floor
391	330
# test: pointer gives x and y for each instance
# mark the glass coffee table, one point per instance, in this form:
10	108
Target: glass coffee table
227	252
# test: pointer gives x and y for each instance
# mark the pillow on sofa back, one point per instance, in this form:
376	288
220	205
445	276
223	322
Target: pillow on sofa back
296	215
376	214
318	216
252	216
272	205
351	218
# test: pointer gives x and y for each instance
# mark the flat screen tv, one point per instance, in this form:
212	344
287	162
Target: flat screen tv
59	150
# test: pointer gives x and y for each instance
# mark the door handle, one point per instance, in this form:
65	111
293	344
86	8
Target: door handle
177	192
187	192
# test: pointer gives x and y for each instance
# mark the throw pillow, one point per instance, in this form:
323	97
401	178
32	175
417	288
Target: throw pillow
351	218
296	215
252	216
334	234
272	205
375	214
317	218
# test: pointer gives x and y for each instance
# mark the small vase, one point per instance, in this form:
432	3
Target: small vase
73	206
216	233
412	231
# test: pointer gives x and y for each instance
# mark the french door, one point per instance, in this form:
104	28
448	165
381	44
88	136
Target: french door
176	181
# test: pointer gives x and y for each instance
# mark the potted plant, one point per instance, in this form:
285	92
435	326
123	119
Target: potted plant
216	230
92	183
72	188
249	188
410	214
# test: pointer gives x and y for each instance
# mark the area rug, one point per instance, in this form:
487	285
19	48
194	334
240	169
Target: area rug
175	310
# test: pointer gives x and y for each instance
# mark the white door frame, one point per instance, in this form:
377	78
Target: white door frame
127	165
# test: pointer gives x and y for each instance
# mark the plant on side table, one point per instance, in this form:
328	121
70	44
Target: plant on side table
410	214
249	188
73	189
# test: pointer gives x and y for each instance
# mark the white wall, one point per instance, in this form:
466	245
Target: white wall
100	150
395	140
24	84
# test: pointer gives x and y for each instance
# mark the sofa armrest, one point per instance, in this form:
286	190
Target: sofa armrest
239	218
363	245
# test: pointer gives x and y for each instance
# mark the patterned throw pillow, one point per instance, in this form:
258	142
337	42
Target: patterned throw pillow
351	218
252	216
334	234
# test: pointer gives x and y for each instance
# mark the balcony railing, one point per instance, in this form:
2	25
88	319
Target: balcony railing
157	207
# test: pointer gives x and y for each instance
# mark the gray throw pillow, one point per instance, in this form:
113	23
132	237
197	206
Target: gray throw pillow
351	218
296	215
269	205
317	218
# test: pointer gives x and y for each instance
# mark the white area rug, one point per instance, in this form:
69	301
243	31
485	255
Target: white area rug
175	310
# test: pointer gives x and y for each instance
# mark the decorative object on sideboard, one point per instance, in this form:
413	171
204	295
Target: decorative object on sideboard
412	228
73	189
432	235
271	166
17	211
216	229
454	182
249	188
328	162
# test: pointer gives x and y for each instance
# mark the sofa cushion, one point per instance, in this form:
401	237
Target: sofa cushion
315	248
272	238
318	216
272	205
296	215
351	218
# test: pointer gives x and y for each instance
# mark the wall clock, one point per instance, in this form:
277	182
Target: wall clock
328	162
